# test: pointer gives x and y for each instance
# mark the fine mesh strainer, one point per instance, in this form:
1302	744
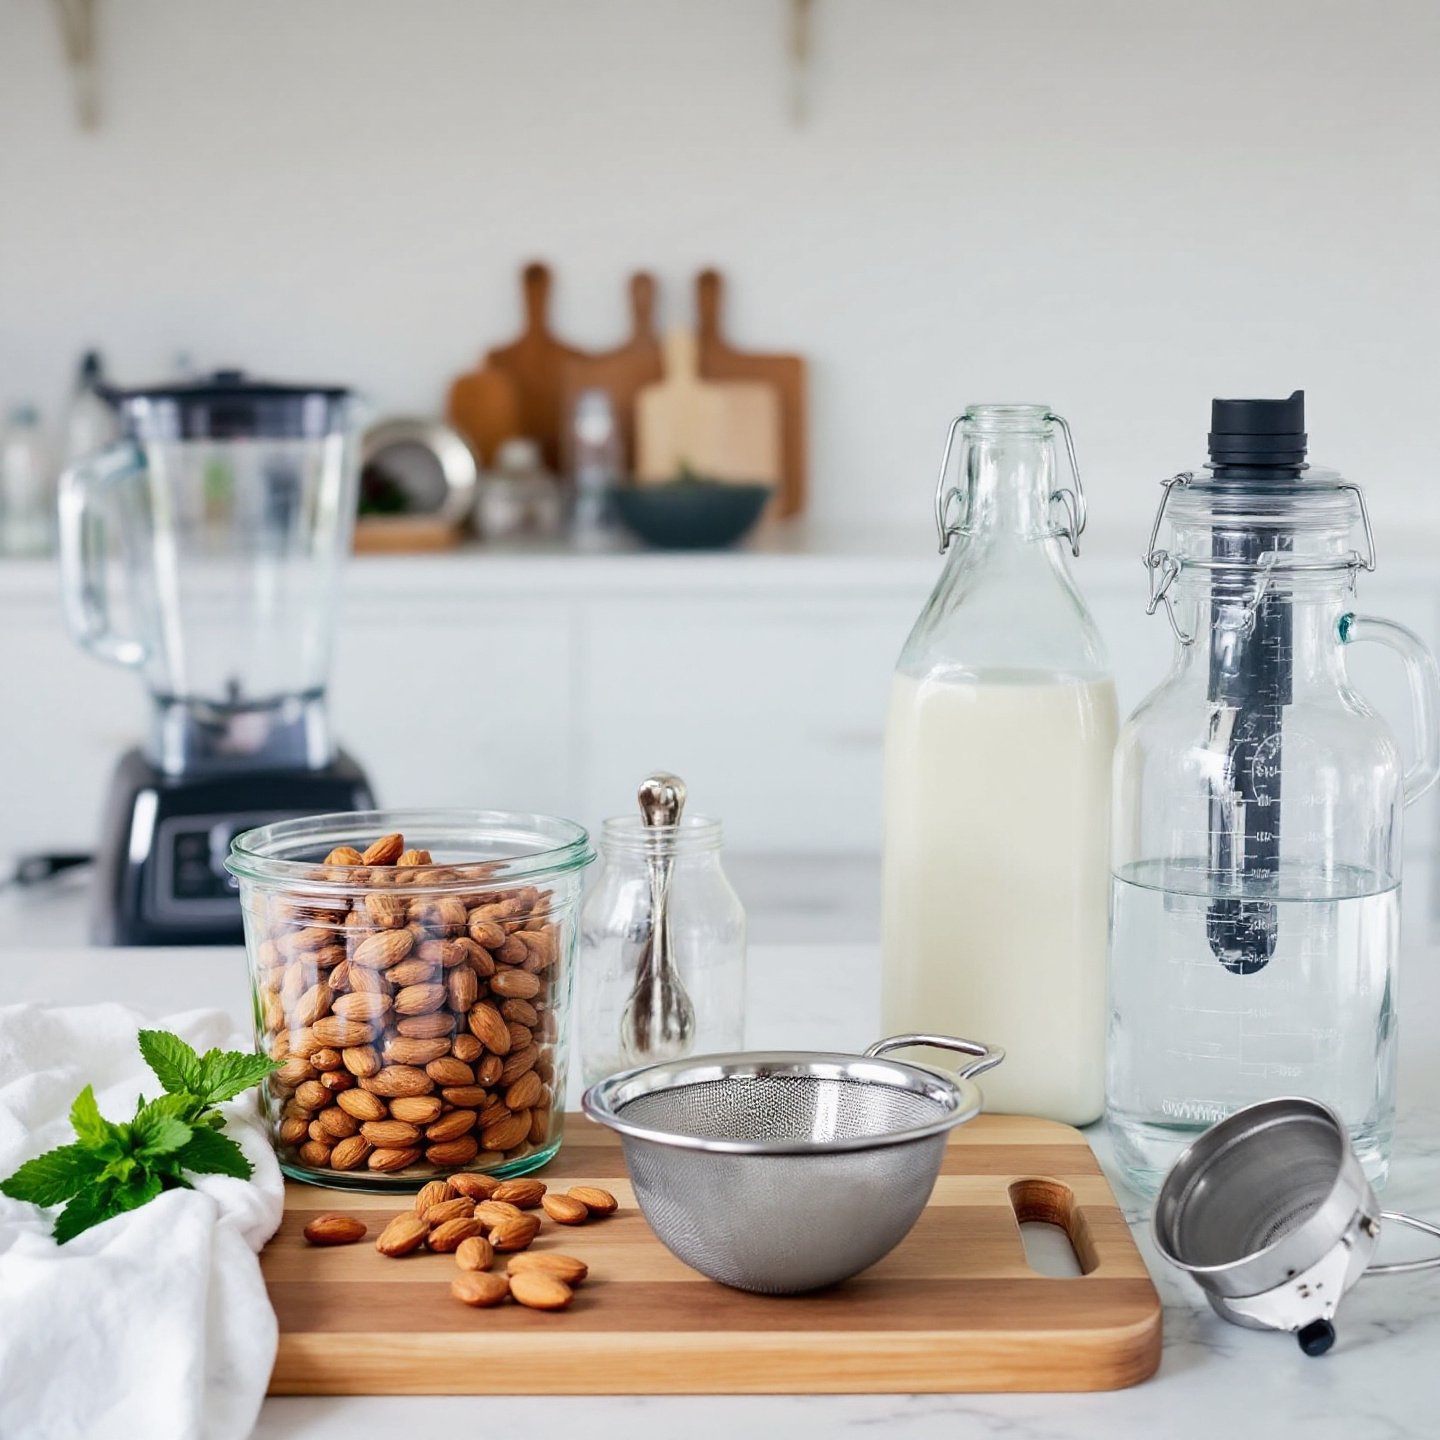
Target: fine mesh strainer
784	1171
1271	1213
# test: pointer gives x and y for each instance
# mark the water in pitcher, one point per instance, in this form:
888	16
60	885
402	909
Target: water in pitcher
1191	1040
996	856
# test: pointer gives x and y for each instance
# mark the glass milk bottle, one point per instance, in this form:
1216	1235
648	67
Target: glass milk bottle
997	779
1258	804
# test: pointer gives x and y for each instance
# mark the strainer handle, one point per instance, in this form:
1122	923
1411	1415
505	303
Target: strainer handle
1406	1267
987	1056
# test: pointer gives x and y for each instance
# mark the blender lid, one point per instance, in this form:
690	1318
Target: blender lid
229	405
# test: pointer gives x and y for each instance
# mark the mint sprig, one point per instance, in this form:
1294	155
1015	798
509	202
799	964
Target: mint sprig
112	1168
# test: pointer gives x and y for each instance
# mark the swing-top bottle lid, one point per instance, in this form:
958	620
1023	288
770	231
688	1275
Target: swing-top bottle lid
1257	434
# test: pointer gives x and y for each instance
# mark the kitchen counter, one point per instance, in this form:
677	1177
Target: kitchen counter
1214	1378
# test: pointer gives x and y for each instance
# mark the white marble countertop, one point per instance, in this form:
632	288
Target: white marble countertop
1380	1381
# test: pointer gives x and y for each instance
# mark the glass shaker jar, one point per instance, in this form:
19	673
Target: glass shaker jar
707	928
1257	816
997	779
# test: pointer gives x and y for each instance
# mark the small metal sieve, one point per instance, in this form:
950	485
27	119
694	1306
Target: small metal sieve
1271	1213
784	1171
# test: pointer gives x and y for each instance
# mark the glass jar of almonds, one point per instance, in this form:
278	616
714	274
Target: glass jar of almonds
412	972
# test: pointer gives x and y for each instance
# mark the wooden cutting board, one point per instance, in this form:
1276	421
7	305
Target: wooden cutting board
954	1307
786	373
722	430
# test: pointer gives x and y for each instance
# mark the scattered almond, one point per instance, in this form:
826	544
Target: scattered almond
404	1234
457	1207
524	1194
447	1237
477	1187
566	1209
492	1212
480	1288
564	1267
540	1291
594	1199
334	1229
434	1193
514	1234
475	1253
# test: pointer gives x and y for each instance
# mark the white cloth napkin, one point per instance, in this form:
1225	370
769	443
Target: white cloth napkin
154	1324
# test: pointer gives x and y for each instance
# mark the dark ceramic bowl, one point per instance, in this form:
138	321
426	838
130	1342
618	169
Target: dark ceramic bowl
691	514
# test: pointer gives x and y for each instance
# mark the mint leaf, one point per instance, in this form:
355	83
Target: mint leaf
225	1073
55	1176
211	1153
88	1208
141	1188
176	1065
91	1127
157	1130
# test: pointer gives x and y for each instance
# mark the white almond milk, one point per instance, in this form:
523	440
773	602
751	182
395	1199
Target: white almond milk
996	878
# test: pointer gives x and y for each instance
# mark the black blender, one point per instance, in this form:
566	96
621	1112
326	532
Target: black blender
227	508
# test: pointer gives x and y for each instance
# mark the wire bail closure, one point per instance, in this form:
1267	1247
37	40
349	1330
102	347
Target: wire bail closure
1071	497
1163	569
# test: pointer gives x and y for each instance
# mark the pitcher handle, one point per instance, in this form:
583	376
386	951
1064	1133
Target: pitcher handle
83	588
1424	677
987	1056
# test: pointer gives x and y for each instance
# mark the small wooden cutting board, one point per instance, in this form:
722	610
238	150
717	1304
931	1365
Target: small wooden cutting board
954	1308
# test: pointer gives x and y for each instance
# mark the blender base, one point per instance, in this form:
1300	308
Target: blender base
160	877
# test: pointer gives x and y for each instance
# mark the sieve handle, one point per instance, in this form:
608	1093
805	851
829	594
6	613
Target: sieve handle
987	1056
1407	1267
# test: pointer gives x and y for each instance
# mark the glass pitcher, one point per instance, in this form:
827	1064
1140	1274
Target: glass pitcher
1258	800
230	504
997	778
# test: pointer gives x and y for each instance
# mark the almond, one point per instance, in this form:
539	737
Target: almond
477	1187
362	1061
358	977
362	1105
413	857
493	1212
416	970
389	912
566	1209
508	1133
489	1027
524	1194
476	1253
419	999
434	1193
466	1048
517	1064
447	1070
563	1267
512	952
406	1050
336	1080
525	1092
594	1199
469	1096
339	1033
293	1130
516	1233
312	1004
344	855
520	1012
520	1035
484	930
450	1154
385	851
462	989
362	1005
455	1207
540	1291
350	1154
314	1153
446	1237
334	1229
487	1072
312	1095
393	1080
404	1234
539	1125
383	949
416	1109
326	1059
390	1134
387	1160
477	1287
445	915
451	1126
519	984
426	1027
298	1069
338	1124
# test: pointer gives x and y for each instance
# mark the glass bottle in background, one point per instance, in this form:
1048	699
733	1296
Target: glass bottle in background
997	780
27	486
90	422
595	463
707	930
519	496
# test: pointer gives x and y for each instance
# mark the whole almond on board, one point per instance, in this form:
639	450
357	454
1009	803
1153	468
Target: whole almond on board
387	1160
451	1126
419	999
480	1288
312	1095
525	1092
477	1187
447	1070
540	1291
383	949
506	1134
594	1199
334	1229
445	1238
415	970
466	1048
314	1153
339	1033
406	1050
312	1004
435	1192
350	1154
384	851
362	1105
566	1209
449	1154
362	1005
338	1124
494	1212
393	1080
519	984
390	1134
515	1233
426	1027
414	857
404	1234
484	931
563	1267
453	1207
518	1063
476	1253
416	1109
523	1194
489	1027
520	1012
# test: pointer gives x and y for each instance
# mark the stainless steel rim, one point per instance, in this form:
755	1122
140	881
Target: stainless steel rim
604	1101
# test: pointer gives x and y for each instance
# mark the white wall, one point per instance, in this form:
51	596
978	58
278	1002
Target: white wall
1121	208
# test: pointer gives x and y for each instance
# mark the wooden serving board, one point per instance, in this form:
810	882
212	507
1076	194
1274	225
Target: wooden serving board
954	1307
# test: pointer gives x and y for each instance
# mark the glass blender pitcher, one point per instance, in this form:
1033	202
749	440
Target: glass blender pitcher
224	514
1258	800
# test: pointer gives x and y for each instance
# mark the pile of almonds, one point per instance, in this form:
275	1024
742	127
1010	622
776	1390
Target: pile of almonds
474	1218
414	1017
